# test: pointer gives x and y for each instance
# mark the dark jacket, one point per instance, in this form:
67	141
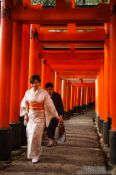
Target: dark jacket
58	103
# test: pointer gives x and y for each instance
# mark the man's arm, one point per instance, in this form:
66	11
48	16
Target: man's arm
61	107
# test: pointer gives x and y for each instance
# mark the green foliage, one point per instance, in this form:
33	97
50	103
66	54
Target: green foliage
44	2
87	2
51	3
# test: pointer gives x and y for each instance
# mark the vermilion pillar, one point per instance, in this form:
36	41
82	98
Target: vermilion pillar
15	84
90	97
68	97
34	60
43	73
5	78
82	90
79	95
99	102
73	3
71	97
113	84
16	67
99	96
53	77
93	93
96	99
100	99
24	60
101	93
86	97
84	94
48	74
64	90
75	95
56	82
106	91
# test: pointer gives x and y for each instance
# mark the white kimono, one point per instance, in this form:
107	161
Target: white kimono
37	119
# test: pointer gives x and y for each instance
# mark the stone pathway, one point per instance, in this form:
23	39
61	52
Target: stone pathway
79	155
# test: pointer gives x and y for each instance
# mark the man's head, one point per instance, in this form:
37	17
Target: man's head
50	88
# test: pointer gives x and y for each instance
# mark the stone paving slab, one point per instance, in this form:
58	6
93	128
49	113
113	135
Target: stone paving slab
79	155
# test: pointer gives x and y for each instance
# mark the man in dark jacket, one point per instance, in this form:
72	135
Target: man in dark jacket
60	109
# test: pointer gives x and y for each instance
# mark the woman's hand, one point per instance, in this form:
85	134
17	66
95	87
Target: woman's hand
59	118
26	119
27	106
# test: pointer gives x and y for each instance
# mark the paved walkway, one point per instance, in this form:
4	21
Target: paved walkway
79	155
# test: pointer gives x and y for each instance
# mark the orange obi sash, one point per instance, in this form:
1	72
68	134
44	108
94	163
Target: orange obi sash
36	106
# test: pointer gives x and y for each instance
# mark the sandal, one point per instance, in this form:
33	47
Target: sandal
54	143
50	144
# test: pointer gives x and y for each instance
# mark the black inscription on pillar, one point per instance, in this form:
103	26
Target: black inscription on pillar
34	34
114	9
6	12
107	35
44	61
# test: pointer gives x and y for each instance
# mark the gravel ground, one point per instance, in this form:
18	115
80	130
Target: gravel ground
79	155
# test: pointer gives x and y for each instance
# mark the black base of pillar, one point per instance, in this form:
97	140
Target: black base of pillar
23	132
5	144
16	136
109	123
112	142
100	125
97	121
105	133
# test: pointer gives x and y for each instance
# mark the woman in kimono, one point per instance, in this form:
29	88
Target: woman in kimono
39	110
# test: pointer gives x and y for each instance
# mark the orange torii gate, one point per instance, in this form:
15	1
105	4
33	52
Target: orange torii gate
15	20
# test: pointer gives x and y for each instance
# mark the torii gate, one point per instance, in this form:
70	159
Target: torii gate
15	18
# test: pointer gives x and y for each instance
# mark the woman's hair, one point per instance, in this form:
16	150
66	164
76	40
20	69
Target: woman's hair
35	77
49	85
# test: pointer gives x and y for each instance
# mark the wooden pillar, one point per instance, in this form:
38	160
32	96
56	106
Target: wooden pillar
63	4
43	74
63	94
86	97
75	96
102	93
93	93
5	63
100	98
24	60
79	95
73	3
67	95
113	84
15	85
16	67
106	91
82	94
56	82
5	78
96	98
34	60
53	77
60	3
71	97
73	91
107	77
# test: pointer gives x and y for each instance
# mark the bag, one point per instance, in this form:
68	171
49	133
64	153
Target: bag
60	134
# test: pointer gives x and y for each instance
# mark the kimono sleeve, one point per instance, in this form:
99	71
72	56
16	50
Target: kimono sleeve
23	110
49	106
